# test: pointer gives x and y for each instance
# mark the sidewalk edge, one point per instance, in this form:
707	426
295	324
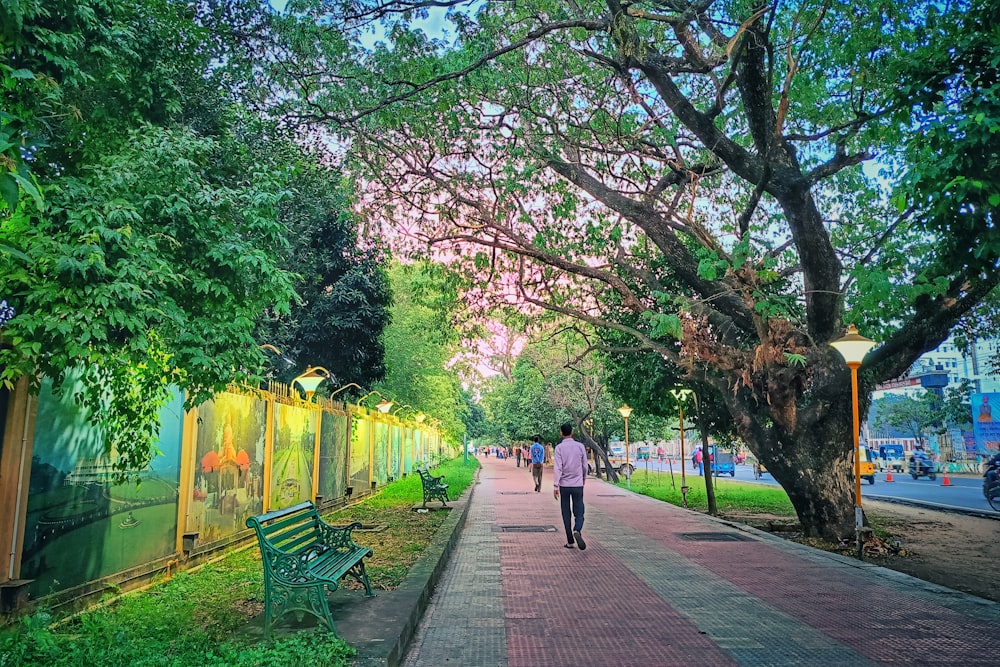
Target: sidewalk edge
420	583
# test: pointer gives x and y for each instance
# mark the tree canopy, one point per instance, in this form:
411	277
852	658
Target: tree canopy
689	172
422	348
143	222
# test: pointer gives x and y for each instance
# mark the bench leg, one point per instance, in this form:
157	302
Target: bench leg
279	600
360	574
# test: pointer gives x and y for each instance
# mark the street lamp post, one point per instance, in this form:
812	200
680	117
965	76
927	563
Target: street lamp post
680	395
625	411
853	347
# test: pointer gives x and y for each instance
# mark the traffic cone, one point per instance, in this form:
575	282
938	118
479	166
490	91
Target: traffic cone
944	480
888	475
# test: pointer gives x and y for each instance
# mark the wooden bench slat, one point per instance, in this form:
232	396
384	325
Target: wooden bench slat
295	545
294	522
334	565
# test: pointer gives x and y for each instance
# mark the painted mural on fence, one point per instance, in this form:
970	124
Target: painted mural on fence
986	421
408	449
229	466
79	525
418	449
332	455
381	453
360	451
294	453
395	450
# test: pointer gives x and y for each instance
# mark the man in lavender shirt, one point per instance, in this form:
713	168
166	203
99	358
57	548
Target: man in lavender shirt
569	477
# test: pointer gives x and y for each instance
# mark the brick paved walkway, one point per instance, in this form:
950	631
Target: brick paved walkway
659	585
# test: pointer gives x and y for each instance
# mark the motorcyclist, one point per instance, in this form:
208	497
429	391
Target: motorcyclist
992	473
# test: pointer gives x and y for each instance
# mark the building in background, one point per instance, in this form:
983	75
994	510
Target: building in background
947	366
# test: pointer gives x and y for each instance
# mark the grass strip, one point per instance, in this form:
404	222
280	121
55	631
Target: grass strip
191	618
731	497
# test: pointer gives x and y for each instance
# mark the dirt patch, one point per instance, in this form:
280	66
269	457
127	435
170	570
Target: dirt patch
953	550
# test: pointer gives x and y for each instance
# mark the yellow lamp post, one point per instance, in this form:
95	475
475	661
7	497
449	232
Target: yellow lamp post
680	395
311	379
853	347
625	411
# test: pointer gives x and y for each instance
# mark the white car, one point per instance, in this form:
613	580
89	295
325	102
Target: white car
616	456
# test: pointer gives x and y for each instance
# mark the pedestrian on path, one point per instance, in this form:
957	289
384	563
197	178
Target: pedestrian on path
537	458
569	476
517	455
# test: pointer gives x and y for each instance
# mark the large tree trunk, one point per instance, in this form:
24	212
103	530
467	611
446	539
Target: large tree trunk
600	456
805	440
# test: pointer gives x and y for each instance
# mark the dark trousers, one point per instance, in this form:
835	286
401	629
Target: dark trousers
571	495
536	474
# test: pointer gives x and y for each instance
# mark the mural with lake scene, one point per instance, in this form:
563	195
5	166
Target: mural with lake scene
332	455
229	466
79	526
292	461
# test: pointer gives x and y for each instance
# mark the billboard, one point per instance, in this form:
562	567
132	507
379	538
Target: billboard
986	422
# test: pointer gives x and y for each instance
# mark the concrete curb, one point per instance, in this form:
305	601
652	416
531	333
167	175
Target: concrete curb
381	632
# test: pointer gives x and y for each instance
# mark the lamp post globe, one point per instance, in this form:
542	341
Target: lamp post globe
625	411
681	395
311	379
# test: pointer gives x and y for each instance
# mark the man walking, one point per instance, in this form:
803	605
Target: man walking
537	458
569	477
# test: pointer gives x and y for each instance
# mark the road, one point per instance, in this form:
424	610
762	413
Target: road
962	494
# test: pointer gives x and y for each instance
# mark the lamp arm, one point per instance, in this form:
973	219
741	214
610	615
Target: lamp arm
349	384
373	391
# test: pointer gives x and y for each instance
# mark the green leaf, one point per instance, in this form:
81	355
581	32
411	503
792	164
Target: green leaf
9	190
666	325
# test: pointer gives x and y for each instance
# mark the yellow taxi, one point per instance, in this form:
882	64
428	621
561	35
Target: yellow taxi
867	460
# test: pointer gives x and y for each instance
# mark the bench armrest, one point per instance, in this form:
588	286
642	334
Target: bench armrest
338	537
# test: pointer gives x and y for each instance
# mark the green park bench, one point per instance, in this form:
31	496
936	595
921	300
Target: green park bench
434	487
303	555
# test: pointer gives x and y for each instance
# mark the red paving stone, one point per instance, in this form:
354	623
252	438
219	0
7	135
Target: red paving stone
567	607
827	598
562	604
